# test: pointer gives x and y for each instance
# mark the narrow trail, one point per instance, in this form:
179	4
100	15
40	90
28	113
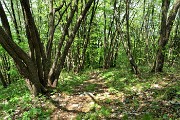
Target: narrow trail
80	101
94	92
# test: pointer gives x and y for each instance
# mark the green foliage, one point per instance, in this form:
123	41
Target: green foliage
147	116
103	112
125	117
116	81
120	83
16	101
132	86
69	80
36	113
91	116
144	34
90	87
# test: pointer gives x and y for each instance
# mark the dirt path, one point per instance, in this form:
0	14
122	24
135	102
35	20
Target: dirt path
93	94
81	101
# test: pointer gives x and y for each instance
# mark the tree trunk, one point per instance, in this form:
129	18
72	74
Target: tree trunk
24	63
87	37
105	64
128	46
166	26
36	67
4	20
3	80
54	76
6	67
15	22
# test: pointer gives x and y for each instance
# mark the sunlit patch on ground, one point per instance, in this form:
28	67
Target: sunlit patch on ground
98	95
97	98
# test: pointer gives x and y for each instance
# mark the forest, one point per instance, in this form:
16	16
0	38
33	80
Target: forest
89	59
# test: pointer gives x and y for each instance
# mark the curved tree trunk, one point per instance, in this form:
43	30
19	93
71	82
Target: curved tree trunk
36	66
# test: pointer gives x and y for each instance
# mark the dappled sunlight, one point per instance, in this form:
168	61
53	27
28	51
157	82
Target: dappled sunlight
122	79
110	95
18	103
101	96
138	88
89	59
156	86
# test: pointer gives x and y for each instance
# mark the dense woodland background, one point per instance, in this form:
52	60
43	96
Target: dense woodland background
48	47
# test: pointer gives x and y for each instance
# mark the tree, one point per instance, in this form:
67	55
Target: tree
125	36
166	27
5	67
37	67
110	41
3	80
77	56
128	45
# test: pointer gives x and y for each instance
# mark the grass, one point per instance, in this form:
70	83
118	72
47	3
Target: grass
17	102
153	96
155	88
68	81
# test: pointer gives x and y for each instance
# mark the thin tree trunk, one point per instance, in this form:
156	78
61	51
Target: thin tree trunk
3	80
128	46
87	37
105	39
34	67
4	20
69	42
15	22
6	67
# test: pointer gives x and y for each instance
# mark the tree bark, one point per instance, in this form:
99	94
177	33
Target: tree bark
15	22
60	66
35	67
166	26
24	63
3	80
6	67
4	20
128	46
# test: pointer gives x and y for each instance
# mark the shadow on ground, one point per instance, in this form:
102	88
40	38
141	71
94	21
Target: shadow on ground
110	95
